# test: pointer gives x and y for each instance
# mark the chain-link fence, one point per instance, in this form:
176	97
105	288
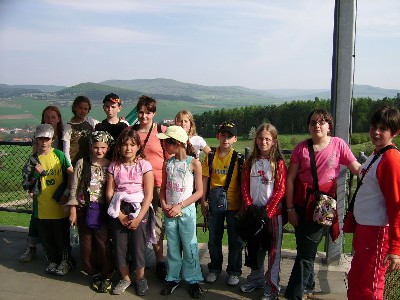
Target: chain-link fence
392	286
13	156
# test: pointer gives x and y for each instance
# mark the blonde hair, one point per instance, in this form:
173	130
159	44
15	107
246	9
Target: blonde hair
188	114
275	154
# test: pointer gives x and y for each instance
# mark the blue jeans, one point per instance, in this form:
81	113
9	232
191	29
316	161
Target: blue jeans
308	237
235	244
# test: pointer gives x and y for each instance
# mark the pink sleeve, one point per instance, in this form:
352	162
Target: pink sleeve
111	168
145	165
346	157
388	174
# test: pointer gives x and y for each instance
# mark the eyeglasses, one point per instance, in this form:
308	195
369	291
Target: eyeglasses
320	122
261	139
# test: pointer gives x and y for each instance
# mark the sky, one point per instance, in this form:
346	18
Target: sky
256	44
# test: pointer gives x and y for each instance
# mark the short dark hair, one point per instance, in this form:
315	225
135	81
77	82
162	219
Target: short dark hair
78	100
148	102
112	98
323	115
388	117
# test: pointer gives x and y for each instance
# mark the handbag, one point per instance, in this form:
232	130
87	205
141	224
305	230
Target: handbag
94	218
349	222
325	209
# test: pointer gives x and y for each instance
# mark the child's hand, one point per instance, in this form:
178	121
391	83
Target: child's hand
133	224
204	208
38	168
166	208
176	211
123	219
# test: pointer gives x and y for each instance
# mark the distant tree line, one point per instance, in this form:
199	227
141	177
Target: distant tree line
288	118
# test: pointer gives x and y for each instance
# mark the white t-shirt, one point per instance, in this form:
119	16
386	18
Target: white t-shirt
198	144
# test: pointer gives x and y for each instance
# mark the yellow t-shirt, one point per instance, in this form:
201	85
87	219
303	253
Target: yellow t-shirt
54	163
220	167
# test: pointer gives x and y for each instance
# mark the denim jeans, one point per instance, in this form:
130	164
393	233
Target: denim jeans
308	237
235	244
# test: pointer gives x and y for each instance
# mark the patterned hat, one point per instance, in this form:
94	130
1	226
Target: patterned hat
101	136
229	127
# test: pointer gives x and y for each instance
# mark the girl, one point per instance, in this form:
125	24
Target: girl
87	193
263	186
77	131
185	119
50	115
130	183
330	153
177	201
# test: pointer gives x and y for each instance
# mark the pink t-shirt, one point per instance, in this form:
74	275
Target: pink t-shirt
129	178
154	153
328	160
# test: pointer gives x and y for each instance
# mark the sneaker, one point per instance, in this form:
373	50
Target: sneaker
30	253
195	290
308	294
212	277
233	280
105	285
121	286
170	286
269	297
51	268
96	282
161	270
63	268
248	287
141	287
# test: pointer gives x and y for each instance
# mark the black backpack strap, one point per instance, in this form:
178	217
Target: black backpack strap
230	170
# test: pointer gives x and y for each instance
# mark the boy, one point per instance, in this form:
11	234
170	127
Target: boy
51	173
112	124
221	174
377	211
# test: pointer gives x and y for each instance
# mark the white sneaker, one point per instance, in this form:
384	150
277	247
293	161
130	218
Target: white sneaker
63	268
233	280
30	253
51	268
211	277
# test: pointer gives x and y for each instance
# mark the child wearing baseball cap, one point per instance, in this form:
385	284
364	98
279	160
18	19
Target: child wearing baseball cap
51	172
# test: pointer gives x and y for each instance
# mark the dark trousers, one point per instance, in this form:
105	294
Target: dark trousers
129	245
54	234
235	244
95	249
308	237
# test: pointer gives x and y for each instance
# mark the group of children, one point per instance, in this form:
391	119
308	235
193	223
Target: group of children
147	186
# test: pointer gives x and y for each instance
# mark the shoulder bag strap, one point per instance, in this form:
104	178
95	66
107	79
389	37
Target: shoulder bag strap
313	165
148	136
359	183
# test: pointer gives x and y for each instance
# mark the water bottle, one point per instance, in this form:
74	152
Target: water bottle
73	236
